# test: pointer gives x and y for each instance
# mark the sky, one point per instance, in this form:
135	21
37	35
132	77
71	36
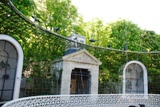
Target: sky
144	13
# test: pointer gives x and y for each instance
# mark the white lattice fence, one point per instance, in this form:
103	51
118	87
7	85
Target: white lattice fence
103	100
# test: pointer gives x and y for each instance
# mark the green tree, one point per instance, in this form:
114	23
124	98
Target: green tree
126	34
150	41
27	7
57	16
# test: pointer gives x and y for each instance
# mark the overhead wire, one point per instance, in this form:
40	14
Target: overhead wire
63	37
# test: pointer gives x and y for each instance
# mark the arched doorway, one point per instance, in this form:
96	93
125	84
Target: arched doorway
11	61
135	78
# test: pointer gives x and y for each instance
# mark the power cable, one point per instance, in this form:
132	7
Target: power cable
63	37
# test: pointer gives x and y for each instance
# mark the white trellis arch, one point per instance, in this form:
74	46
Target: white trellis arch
6	43
136	78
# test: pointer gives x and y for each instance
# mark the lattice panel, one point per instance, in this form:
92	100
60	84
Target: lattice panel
103	100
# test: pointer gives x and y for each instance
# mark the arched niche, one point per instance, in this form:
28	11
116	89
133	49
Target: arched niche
11	62
135	78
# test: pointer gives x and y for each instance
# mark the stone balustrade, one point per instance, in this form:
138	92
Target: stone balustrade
87	100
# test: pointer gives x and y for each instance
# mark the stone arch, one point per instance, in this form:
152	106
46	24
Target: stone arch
14	56
135	78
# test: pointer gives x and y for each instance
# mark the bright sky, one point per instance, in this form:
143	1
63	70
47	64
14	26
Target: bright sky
144	13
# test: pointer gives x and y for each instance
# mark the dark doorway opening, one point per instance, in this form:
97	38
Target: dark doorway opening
80	81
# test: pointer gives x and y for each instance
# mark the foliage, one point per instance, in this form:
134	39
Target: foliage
41	47
95	31
57	15
125	34
150	41
27	7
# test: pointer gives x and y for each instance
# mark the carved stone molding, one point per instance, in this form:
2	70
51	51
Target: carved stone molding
82	56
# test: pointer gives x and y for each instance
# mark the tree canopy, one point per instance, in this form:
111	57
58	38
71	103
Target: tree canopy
111	43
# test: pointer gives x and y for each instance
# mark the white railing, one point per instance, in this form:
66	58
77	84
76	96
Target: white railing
87	100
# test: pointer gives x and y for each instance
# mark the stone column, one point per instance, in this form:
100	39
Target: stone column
66	78
94	80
